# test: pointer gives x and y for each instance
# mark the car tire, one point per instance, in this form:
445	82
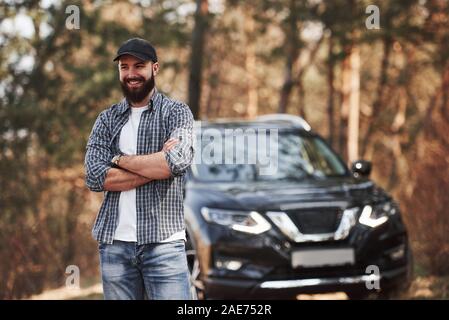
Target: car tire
196	285
401	291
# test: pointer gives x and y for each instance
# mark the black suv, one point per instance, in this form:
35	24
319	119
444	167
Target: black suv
310	225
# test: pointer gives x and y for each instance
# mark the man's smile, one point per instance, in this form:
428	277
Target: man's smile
134	83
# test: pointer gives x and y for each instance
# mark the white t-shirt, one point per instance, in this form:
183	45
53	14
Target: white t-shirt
127	220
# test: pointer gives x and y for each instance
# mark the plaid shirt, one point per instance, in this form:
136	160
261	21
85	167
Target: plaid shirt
160	211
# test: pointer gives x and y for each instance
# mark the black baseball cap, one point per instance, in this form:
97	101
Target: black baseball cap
138	48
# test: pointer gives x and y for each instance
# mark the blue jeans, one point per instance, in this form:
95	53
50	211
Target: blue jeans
134	272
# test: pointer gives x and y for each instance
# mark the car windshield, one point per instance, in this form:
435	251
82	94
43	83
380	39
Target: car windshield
289	156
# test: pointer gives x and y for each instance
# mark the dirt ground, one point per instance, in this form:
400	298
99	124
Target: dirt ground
422	288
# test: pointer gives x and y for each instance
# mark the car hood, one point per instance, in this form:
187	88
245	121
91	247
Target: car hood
279	195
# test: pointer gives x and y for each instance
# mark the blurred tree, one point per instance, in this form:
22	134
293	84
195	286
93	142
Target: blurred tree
292	46
344	24
398	24
197	55
251	62
426	197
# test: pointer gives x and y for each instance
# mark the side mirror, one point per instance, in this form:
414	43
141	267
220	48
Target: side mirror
361	168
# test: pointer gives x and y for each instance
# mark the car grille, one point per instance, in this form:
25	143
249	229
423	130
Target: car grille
316	221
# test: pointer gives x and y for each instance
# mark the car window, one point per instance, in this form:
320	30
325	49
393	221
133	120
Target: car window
296	157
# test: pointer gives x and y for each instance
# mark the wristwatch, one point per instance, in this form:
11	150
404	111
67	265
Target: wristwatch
116	159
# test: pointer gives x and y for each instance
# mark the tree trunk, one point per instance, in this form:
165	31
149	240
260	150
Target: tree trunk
331	91
445	93
292	47
350	101
196	58
344	108
354	104
379	100
301	99
303	66
250	65
288	83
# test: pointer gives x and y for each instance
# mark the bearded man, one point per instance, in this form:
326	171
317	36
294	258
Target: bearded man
137	154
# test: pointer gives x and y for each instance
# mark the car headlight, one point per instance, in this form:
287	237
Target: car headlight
375	215
244	221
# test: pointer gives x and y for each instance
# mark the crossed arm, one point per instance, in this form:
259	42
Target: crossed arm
122	180
137	170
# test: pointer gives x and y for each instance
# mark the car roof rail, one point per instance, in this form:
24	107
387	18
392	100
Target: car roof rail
285	117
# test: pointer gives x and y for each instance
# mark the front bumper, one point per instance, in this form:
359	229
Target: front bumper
269	275
266	270
285	289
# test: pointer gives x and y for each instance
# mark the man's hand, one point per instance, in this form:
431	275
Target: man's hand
169	144
122	180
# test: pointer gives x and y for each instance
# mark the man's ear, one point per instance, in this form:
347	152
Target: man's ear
155	68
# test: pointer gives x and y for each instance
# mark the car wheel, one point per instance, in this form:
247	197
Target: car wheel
402	290
196	285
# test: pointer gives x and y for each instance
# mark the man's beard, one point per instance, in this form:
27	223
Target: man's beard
136	95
